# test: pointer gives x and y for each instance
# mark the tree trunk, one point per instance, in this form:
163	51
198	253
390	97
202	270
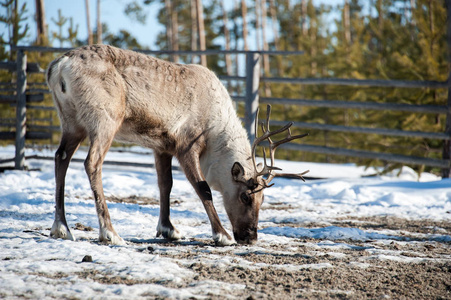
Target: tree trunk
201	31
193	28
304	18
40	22
225	20
174	31
411	20
273	13
313	49
257	23
236	9
167	4
347	24
88	22
99	24
243	14
264	15
380	20
266	68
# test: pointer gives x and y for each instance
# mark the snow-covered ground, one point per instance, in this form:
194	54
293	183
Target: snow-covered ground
33	265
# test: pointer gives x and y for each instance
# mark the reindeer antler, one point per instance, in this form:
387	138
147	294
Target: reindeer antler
267	134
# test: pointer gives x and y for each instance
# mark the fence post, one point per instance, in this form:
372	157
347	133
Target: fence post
252	83
446	173
21	109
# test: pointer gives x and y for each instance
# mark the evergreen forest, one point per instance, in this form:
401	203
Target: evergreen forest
354	39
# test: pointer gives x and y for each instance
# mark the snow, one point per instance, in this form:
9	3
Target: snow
35	265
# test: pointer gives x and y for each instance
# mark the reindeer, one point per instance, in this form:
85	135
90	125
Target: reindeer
104	93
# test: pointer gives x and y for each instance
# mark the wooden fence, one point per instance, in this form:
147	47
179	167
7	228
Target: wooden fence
251	101
19	99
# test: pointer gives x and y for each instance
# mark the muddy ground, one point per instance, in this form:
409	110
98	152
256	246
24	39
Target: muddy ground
414	266
414	263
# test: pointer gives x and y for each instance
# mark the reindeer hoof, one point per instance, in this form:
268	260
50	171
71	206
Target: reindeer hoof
61	231
168	233
110	238
223	239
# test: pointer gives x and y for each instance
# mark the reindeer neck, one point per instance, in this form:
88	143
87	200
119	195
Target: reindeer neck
227	144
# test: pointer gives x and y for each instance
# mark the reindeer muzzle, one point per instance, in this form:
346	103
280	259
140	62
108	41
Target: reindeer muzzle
248	236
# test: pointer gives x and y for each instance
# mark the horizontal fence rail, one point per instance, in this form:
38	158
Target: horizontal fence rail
367	130
251	99
158	52
361	82
433	109
404	159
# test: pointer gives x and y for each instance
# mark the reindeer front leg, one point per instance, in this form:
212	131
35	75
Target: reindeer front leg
191	166
163	165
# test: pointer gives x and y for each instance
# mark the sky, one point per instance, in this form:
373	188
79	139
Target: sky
112	14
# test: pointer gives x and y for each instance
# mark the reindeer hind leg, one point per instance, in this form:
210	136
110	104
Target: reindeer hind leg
70	142
100	143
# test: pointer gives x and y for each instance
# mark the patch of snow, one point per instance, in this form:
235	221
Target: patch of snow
37	266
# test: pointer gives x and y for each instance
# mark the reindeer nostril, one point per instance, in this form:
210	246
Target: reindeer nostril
248	236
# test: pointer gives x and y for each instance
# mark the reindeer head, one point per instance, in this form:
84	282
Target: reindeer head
249	192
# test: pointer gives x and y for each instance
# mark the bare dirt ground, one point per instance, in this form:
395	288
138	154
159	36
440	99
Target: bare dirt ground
415	266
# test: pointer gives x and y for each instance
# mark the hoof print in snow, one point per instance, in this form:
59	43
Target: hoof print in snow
82	227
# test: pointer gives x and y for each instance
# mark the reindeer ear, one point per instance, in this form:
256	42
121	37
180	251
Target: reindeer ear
238	172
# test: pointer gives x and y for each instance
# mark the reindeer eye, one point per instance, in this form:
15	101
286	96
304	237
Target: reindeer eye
245	198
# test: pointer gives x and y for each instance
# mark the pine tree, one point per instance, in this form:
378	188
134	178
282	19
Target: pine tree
123	39
401	41
185	38
60	22
41	27
99	24
13	18
225	19
16	29
88	23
